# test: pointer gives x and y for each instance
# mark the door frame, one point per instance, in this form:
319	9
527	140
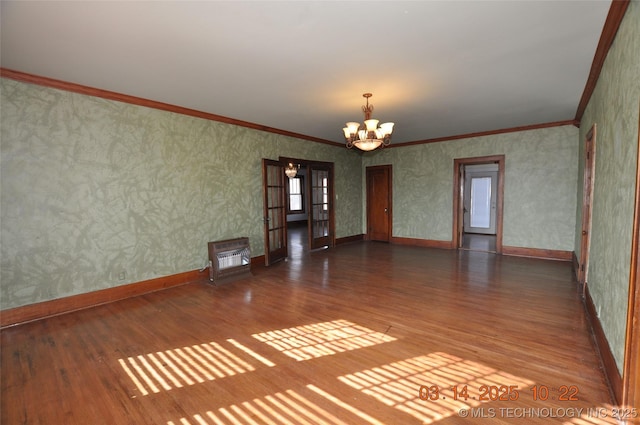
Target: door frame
307	163
587	206
631	368
458	197
389	169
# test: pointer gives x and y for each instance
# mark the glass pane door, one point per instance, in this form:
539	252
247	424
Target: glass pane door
480	202
275	210
320	208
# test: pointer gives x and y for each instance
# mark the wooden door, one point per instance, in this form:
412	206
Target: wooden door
379	203
587	203
320	206
275	211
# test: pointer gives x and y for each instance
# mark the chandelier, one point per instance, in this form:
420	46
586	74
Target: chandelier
371	137
291	170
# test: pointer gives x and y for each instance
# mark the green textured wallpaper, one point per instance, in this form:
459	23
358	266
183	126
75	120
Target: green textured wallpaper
95	190
540	186
614	109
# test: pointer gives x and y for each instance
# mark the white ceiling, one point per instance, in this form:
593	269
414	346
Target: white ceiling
435	68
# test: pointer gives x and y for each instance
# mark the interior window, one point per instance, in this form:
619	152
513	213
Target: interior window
296	195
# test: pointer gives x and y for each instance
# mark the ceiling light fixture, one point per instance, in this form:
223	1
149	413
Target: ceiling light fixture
291	170
371	137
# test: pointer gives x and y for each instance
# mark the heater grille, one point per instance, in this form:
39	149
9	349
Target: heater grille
229	259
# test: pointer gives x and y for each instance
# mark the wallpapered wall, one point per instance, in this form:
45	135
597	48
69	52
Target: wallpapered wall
539	188
614	109
92	188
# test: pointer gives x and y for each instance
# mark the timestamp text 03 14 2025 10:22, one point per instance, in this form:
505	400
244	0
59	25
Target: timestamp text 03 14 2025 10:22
499	393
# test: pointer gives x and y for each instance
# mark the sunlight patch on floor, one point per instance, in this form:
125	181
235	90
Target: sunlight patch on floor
321	339
359	413
185	366
283	408
429	388
399	384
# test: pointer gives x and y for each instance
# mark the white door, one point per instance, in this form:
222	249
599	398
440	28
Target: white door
480	189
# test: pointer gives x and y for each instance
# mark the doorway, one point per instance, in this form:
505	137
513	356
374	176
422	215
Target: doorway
478	203
479	207
587	205
298	217
297	214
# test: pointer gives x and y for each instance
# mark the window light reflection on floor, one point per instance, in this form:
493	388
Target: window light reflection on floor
322	339
278	409
179	367
314	407
398	384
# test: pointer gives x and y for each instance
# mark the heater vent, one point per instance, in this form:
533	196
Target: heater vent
229	259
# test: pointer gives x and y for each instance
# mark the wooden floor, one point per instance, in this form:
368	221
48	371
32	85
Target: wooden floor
366	333
477	242
297	240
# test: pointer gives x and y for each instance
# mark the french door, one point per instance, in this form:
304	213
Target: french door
275	211
320	206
